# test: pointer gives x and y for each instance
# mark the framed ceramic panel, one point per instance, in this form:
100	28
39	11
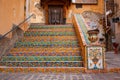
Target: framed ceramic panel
95	57
85	1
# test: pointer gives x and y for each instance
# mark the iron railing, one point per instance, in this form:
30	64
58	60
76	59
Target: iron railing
16	26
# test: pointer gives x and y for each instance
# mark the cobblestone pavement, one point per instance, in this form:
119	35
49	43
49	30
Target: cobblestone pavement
59	76
112	60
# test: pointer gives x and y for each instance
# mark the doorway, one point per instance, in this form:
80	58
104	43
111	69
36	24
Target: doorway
55	14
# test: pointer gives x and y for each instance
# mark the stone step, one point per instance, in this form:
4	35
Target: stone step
43	69
45	50
43	54
47	44
42	64
49	27
48	38
49	34
40	58
51	30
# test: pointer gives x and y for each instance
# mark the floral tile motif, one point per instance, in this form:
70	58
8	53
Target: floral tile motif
95	57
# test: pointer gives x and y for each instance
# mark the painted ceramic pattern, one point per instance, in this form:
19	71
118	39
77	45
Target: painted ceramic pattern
45	46
95	57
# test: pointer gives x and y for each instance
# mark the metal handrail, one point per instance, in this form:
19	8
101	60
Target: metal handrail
16	27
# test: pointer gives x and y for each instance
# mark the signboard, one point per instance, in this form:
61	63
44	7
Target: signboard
85	1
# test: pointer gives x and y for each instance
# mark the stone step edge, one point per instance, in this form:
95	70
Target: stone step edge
105	70
43	69
57	69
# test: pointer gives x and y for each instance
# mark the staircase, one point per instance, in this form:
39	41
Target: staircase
45	48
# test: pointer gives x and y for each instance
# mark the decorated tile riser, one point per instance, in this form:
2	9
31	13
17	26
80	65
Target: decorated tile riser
41	64
49	27
56	70
48	38
43	70
41	58
47	44
44	54
52	30
47	50
49	34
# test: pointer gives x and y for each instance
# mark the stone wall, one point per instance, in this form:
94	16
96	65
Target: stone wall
7	43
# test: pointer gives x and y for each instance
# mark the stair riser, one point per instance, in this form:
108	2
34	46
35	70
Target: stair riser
49	34
49	27
45	46
43	43
44	70
44	54
41	64
45	50
51	30
41	58
47	39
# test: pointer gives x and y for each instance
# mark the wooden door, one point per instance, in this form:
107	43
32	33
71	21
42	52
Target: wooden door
55	14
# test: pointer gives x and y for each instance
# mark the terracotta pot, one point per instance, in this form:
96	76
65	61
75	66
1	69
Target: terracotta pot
93	35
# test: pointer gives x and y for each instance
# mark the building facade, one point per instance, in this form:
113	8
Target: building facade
83	18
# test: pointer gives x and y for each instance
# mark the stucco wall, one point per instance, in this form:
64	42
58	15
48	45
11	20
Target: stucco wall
11	12
39	16
117	25
40	13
